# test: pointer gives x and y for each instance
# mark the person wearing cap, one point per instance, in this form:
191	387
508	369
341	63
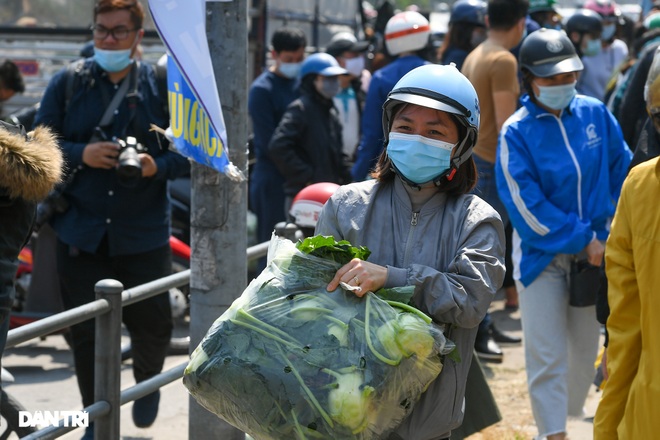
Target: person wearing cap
545	14
492	69
349	53
599	67
307	145
406	38
584	28
561	161
467	29
425	229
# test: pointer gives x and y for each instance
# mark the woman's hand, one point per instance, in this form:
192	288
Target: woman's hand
595	251
369	277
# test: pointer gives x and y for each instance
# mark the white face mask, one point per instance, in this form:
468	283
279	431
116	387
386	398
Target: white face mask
355	66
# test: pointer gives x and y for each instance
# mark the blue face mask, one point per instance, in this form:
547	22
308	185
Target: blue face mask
328	87
593	48
289	70
556	97
608	32
552	25
112	60
418	158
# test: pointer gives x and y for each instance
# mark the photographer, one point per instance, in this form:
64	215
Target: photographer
113	227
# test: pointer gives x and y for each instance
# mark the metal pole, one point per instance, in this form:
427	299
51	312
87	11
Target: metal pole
107	359
219	205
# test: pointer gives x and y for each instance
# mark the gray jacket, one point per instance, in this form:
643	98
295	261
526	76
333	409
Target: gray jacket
452	251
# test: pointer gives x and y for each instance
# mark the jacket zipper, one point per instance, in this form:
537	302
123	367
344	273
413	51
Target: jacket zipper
413	223
575	163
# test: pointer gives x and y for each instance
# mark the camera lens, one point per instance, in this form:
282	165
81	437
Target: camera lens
129	170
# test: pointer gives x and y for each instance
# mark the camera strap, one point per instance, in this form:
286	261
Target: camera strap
122	91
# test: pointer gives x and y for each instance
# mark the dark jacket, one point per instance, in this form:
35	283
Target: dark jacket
632	110
307	144
134	219
648	145
29	168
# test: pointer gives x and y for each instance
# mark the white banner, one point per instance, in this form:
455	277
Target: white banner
181	25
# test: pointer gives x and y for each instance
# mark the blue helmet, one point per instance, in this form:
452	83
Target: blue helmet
469	11
321	64
441	88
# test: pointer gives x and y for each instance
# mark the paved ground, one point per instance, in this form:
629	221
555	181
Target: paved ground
508	383
45	381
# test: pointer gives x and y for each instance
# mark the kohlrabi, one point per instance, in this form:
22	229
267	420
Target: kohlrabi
349	403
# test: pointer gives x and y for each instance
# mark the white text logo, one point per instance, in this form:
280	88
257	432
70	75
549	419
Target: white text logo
78	419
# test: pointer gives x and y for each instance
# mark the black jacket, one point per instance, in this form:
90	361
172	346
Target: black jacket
307	144
648	145
632	110
29	168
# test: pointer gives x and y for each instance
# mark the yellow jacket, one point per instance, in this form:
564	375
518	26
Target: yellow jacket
629	407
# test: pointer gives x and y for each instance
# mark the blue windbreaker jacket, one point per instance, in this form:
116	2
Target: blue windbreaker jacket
559	179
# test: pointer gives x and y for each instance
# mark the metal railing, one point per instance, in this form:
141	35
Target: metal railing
110	299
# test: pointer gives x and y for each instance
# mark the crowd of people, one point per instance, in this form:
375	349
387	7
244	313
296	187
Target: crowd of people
561	113
494	161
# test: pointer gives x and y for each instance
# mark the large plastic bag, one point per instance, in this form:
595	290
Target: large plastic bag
290	360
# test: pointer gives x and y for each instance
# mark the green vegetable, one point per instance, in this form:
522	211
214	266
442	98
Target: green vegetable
387	335
289	360
349	403
330	249
414	337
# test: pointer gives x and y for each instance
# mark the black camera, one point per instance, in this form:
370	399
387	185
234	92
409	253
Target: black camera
129	169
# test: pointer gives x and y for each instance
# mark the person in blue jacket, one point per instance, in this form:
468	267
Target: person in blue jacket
561	161
406	36
270	95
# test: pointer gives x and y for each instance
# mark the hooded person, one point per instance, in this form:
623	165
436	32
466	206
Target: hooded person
30	167
307	146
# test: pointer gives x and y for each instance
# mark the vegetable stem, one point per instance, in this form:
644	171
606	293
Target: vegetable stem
367	333
307	391
410	309
299	430
337	321
243	314
264	333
